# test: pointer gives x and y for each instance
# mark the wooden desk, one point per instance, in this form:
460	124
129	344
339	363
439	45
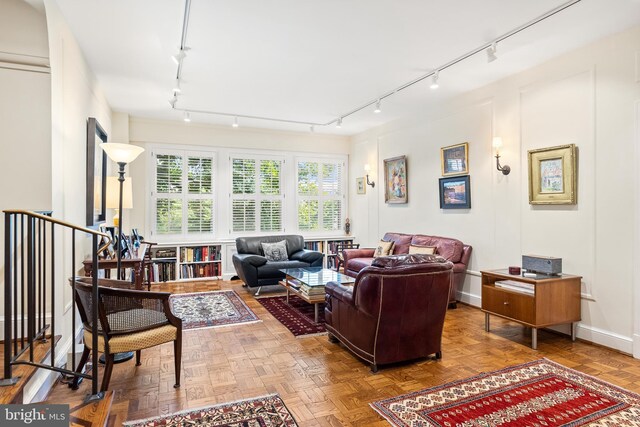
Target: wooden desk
554	301
136	264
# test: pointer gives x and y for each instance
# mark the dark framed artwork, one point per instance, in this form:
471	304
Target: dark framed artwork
395	180
96	174
454	159
455	192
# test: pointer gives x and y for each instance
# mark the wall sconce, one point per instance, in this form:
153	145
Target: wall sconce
497	143
367	169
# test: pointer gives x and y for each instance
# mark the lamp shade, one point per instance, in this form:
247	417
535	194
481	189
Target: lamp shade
497	142
113	193
121	153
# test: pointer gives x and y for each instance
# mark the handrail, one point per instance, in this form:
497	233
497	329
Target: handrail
63	223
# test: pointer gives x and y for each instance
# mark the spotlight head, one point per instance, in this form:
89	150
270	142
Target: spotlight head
491	53
434	80
176	86
235	122
377	110
339	123
187	117
312	128
173	101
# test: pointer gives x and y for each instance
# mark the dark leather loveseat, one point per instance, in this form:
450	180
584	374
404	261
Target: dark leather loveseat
254	269
450	249
395	310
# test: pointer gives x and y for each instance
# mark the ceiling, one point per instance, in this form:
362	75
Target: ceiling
314	61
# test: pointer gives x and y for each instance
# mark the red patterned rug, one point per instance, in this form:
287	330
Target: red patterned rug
297	316
267	411
211	309
540	393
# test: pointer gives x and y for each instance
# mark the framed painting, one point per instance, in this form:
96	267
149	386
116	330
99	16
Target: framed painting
455	192
553	176
454	159
96	174
395	180
361	187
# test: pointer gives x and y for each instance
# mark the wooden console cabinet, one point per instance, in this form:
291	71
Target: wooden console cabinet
554	301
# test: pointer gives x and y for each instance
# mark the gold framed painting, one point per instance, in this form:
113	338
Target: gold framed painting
553	176
454	159
395	180
362	188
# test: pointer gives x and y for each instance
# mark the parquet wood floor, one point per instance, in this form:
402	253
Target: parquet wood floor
322	383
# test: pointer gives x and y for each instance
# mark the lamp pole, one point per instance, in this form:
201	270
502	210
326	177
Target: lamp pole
121	166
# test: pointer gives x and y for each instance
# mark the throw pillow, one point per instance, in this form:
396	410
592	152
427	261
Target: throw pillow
427	250
275	251
384	248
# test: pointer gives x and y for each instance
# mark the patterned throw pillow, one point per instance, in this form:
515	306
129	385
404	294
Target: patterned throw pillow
427	250
275	251
384	248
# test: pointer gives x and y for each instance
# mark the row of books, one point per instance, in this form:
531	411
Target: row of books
200	253
512	285
213	269
163	271
311	290
314	246
332	262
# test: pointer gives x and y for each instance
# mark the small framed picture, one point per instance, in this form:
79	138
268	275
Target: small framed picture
361	186
552	176
455	159
455	192
395	180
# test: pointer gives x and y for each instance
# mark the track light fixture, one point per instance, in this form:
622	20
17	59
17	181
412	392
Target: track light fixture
377	110
491	52
339	123
187	117
434	80
176	86
235	122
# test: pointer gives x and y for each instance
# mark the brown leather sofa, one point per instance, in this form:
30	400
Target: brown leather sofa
395	310
450	249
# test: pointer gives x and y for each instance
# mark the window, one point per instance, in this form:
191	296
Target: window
183	193
320	194
256	194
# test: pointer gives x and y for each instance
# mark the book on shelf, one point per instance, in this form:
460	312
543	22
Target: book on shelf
200	254
190	271
513	285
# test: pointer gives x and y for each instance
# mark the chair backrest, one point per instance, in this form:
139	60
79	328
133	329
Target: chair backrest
409	295
252	245
120	311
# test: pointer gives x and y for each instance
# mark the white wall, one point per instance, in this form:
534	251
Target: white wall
225	140
585	97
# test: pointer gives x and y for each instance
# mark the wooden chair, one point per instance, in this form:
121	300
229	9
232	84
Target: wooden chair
130	320
148	261
340	256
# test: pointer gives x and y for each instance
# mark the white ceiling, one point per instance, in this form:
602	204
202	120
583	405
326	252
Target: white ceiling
313	61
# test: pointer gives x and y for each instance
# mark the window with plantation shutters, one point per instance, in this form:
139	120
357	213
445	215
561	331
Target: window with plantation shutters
320	194
256	194
183	193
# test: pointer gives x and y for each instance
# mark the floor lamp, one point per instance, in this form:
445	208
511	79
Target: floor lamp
121	154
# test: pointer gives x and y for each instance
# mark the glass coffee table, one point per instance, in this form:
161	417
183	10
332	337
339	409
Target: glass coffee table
308	284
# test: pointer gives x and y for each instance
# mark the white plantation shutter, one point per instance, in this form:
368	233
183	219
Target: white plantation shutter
256	194
183	200
320	194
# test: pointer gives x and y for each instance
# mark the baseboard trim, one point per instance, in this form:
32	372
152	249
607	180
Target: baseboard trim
636	346
471	299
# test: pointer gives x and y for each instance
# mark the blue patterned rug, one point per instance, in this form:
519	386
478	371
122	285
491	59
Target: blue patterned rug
211	309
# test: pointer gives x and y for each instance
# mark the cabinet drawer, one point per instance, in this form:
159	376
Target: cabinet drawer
509	304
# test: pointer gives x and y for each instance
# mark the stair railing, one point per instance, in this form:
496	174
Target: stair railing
30	289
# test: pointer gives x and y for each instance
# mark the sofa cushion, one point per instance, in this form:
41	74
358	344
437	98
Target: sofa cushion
427	250
401	241
357	264
275	251
384	248
451	249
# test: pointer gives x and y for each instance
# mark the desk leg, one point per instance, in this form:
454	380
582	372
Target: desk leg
315	312
486	322
534	338
573	330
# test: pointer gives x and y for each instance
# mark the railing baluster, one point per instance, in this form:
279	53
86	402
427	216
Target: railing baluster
31	283
94	315
8	255
53	296
22	284
73	299
15	285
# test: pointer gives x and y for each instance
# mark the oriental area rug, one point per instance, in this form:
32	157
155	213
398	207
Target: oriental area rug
539	393
211	309
297	316
266	411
